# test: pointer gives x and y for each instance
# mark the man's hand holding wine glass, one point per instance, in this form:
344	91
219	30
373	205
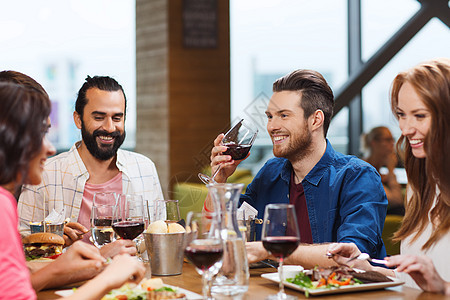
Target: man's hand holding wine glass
225	161
229	150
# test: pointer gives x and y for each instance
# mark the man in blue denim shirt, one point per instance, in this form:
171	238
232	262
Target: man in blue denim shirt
338	198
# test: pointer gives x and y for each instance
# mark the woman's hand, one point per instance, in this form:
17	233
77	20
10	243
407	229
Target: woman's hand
123	268
79	257
422	270
80	262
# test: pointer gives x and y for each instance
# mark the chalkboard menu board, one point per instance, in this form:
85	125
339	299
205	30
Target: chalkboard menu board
200	23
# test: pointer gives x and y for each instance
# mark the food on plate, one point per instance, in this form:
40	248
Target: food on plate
152	284
335	277
148	289
343	272
165	293
157	227
290	270
370	276
42	245
160	226
157	290
126	292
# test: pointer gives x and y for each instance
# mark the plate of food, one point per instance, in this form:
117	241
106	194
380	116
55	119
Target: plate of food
148	289
322	281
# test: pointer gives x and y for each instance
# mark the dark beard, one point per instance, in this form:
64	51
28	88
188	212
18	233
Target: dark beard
103	152
298	149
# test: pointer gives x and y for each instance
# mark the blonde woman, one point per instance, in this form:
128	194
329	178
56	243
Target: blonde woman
420	98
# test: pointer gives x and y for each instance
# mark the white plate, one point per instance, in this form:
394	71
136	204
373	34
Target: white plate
189	295
343	289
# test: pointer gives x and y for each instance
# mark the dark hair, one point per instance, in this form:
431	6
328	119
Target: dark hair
22	79
431	82
23	116
314	91
104	83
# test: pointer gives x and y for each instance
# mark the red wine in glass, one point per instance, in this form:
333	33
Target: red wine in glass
280	237
203	256
237	151
239	139
281	246
128	230
204	246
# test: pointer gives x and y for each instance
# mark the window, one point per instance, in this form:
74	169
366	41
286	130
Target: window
380	20
59	43
272	38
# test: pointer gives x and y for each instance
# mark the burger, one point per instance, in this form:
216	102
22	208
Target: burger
42	245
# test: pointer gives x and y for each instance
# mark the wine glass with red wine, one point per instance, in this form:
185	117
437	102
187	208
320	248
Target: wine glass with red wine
129	220
204	246
239	139
280	237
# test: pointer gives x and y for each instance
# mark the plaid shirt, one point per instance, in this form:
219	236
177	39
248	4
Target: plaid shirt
65	176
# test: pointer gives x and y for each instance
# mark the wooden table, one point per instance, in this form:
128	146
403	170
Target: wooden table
260	287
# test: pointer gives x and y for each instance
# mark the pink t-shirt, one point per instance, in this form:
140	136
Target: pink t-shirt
14	275
111	186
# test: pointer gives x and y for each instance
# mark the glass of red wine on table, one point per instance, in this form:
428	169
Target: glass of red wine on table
204	246
239	139
280	237
129	219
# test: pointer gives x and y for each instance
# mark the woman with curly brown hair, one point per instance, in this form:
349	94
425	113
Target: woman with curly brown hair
420	98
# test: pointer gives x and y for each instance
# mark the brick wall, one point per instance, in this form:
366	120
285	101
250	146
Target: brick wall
183	94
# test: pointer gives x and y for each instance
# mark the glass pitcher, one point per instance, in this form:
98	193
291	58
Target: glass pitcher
232	279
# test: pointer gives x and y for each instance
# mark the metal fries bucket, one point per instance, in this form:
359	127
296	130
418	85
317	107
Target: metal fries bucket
166	252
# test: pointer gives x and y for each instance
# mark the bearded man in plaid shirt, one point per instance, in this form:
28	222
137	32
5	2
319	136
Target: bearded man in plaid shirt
94	164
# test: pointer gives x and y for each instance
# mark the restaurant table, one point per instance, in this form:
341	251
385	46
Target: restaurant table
260	287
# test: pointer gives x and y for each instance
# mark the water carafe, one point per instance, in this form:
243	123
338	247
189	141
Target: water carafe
232	279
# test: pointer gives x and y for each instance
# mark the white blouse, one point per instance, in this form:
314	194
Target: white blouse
439	253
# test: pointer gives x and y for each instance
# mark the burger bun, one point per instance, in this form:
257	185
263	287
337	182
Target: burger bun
43	238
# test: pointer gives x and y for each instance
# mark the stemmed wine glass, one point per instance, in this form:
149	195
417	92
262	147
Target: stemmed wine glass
129	220
239	139
204	247
101	224
102	212
280	237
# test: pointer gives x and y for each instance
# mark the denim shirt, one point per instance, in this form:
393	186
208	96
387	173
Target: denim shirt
344	195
